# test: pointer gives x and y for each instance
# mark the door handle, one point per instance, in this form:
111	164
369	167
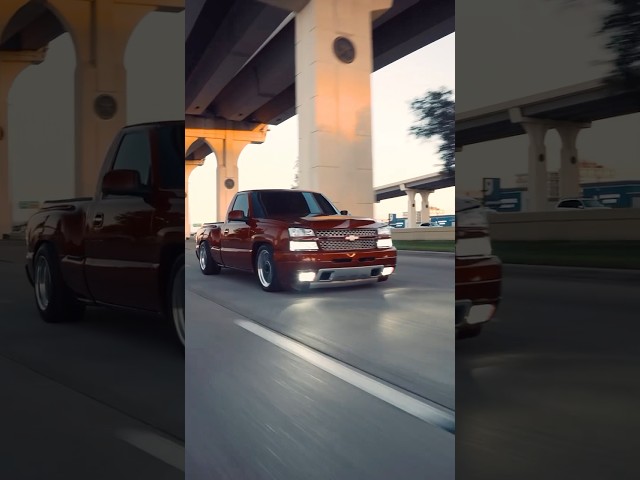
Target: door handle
98	220
226	230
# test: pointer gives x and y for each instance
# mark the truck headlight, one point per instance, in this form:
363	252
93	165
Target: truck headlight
299	246
385	243
301	232
384	232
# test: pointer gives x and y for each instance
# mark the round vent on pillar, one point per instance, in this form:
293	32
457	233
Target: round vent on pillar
229	183
344	49
105	106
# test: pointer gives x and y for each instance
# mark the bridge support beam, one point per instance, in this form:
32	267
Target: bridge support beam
227	146
11	65
411	205
537	176
424	210
334	99
569	181
189	167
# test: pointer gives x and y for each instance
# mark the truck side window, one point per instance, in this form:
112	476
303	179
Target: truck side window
258	210
171	156
134	153
242	203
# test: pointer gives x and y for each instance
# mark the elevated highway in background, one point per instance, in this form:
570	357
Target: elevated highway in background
240	54
568	110
424	185
581	103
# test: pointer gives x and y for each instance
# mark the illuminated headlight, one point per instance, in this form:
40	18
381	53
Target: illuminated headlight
473	247
385	243
384	232
297	245
387	271
301	232
306	276
480	314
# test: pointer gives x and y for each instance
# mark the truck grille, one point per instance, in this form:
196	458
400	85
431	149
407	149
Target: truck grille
360	232
334	240
341	245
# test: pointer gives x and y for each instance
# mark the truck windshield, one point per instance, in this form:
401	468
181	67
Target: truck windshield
295	203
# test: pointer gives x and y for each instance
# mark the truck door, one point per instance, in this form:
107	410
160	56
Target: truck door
119	266
235	241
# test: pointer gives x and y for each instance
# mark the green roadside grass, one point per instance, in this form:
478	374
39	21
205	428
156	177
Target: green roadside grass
426	245
614	254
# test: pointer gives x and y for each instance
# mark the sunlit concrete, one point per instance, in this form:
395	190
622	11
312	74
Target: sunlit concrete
100	32
227	145
333	101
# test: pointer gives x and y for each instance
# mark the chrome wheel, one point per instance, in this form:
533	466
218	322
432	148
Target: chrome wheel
177	304
42	283
203	256
265	268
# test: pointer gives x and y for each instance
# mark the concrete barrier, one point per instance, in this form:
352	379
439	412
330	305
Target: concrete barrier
424	233
598	225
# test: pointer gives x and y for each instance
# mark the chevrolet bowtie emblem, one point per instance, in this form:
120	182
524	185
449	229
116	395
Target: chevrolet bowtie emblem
351	238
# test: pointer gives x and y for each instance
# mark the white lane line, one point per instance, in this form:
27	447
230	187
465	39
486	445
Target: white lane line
162	448
411	405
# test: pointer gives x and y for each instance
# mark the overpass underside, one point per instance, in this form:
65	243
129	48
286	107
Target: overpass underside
262	61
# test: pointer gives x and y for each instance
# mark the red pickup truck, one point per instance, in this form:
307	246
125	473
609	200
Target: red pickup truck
478	272
292	239
125	246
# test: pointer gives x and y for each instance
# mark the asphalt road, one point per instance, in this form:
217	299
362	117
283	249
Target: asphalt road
102	398
550	389
258	407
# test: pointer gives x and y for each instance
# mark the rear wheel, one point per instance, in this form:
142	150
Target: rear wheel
267	270
54	300
208	266
175	307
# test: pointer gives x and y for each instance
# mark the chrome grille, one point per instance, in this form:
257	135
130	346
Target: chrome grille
341	233
341	244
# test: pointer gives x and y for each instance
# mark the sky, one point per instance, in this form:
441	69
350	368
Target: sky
396	154
508	49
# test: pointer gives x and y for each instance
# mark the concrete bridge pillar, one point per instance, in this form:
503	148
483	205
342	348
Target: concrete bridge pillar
11	64
189	167
100	32
227	146
424	206
537	175
411	206
333	98
569	181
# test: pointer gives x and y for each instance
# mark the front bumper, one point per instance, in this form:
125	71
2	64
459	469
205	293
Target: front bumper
335	268
478	290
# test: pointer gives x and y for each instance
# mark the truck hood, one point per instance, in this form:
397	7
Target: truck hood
328	222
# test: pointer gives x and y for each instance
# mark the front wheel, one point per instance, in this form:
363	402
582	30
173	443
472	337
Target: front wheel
267	270
175	307
54	300
208	266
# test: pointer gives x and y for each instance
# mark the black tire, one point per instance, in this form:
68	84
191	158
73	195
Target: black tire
208	266
54	300
175	299
383	278
267	270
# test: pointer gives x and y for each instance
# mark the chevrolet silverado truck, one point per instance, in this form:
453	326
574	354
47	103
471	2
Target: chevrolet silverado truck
123	247
292	239
478	271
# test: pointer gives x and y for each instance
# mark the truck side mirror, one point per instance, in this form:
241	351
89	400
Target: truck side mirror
237	216
123	182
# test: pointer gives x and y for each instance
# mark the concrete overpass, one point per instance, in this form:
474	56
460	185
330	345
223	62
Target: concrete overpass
424	185
568	110
100	30
262	61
